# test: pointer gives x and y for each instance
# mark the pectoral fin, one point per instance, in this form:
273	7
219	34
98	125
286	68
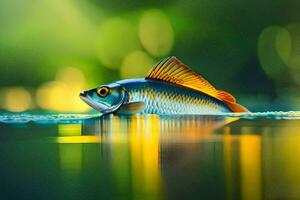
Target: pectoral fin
132	107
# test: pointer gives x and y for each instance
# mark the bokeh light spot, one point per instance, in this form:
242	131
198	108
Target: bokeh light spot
294	63
51	96
156	33
62	94
16	99
283	42
117	38
271	62
295	71
136	64
70	75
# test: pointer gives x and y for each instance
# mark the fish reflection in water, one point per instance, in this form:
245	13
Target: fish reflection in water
184	157
151	157
146	146
191	128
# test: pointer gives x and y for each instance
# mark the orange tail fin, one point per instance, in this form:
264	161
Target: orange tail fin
235	107
230	101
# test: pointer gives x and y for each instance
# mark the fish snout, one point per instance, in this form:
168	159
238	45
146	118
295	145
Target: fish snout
83	94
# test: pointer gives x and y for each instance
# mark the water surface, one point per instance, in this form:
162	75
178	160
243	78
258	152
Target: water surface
150	157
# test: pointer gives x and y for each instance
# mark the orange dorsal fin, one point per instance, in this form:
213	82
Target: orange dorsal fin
174	71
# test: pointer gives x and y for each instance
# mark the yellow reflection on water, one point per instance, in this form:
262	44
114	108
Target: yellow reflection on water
69	129
250	159
70	158
133	145
228	163
144	146
151	155
117	134
70	154
258	161
281	158
267	162
71	133
78	139
120	159
249	165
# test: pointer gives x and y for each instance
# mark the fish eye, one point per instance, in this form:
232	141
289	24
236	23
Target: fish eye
103	91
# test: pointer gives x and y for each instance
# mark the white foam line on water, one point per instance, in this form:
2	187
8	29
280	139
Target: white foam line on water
11	118
44	118
267	115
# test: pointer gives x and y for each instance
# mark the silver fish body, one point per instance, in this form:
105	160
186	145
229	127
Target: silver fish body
165	98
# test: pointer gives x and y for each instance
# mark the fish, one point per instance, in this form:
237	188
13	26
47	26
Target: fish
170	88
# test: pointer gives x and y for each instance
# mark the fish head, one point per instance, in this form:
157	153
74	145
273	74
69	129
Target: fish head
105	98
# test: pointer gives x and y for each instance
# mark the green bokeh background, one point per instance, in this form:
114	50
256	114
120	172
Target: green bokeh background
249	48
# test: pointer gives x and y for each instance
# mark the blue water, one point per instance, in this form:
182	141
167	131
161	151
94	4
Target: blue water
83	156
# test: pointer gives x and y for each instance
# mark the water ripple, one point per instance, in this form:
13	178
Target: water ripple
11	118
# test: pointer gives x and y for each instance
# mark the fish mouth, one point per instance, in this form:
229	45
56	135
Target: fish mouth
97	106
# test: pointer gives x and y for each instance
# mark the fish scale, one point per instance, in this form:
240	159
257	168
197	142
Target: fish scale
165	98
